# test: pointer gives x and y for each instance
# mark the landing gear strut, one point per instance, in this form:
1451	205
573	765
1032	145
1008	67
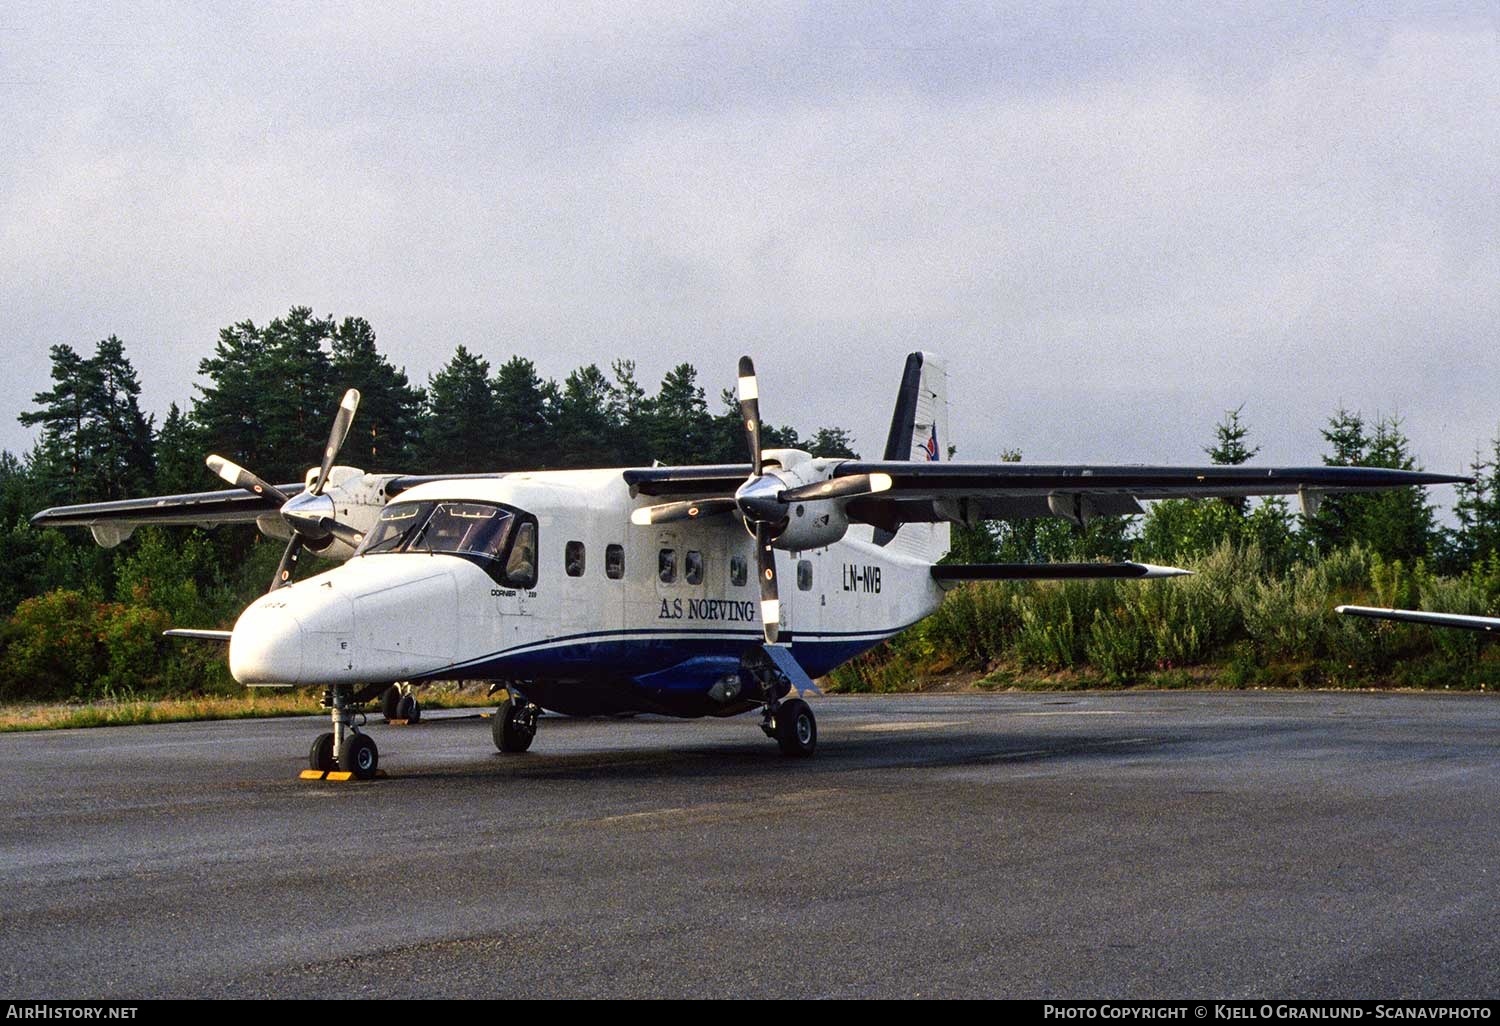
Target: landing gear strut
514	725
787	721
345	748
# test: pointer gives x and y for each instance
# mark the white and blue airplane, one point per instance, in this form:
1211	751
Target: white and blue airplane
687	591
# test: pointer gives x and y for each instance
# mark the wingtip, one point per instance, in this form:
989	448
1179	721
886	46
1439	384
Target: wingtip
1154	571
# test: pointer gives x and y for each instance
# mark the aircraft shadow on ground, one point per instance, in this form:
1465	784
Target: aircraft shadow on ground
757	758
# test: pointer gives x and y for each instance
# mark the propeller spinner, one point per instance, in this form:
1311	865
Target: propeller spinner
311	514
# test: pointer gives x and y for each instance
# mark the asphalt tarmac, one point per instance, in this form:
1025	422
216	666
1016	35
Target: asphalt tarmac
1169	845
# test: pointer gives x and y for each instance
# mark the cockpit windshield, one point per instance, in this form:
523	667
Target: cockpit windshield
468	528
461	528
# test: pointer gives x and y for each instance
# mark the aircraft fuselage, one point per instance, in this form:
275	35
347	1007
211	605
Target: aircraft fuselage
608	617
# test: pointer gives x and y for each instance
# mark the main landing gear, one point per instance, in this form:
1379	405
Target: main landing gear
345	748
397	702
791	724
514	725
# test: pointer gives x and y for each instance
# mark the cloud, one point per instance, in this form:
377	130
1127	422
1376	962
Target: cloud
1114	227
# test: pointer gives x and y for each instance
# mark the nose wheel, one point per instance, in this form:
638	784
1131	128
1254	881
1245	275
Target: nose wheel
345	747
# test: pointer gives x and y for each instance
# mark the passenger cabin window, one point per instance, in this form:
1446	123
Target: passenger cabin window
666	566
738	572
692	567
573	560
804	575
614	562
520	568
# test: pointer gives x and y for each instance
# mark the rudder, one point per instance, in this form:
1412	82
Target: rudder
919	432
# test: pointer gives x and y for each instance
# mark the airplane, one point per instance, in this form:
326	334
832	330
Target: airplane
645	589
1460	620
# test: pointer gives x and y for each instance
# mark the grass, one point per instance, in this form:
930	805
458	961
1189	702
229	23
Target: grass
257	703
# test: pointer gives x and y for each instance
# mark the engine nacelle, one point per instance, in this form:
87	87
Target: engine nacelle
812	525
357	498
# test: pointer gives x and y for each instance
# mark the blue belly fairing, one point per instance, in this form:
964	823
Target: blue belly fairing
648	670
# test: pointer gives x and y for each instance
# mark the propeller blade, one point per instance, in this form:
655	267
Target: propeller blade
749	392
669	512
288	567
346	534
238	476
770	604
839	488
336	436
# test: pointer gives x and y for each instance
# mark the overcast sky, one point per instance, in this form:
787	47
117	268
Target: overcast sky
1114	221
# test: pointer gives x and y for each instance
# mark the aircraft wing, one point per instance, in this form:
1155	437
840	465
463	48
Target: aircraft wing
927	492
1471	623
112	522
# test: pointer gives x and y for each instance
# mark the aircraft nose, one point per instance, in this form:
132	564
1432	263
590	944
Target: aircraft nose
267	645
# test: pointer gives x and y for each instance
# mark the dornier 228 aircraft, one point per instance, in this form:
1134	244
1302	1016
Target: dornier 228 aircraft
682	590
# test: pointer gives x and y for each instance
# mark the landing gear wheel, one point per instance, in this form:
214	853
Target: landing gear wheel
320	756
514	725
796	729
408	709
359	756
390	703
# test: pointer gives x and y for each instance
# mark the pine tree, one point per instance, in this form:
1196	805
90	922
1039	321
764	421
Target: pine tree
124	455
524	403
679	428
460	423
385	430
179	456
832	442
1398	524
62	461
237	402
1478	512
629	408
1336	522
587	435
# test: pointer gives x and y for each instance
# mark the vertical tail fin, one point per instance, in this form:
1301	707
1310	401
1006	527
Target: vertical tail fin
919	432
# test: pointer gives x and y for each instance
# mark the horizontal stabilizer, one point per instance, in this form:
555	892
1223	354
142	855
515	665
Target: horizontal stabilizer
1052	571
1468	623
182	632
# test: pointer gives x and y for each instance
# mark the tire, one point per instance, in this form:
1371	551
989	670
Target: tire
513	727
320	756
408	709
796	728
390	703
358	755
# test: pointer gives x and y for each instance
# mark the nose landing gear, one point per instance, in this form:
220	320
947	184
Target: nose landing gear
345	747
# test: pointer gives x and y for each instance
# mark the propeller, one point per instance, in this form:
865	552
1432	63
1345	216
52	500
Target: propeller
311	514
763	500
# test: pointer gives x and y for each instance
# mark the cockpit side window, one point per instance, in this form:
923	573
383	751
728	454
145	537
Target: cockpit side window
520	565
